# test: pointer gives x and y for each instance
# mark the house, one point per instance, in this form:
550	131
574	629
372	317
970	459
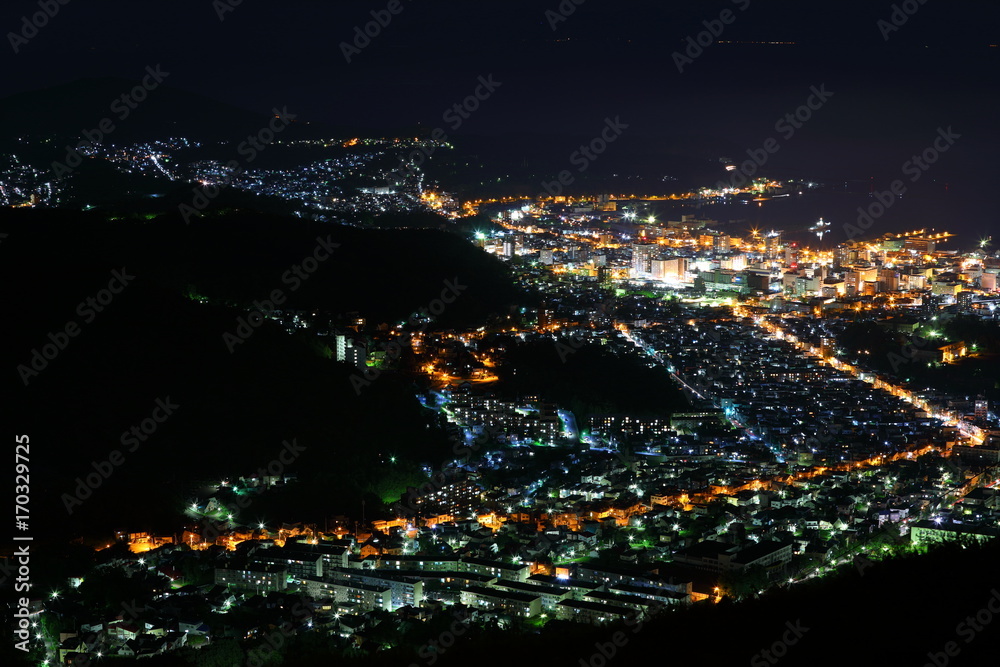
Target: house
192	627
124	631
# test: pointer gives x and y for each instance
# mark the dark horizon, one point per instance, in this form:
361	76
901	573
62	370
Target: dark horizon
892	89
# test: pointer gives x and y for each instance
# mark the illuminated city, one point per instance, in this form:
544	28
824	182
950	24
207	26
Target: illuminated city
566	334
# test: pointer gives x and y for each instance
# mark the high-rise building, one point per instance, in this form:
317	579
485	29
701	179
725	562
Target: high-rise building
773	245
671	270
964	300
888	280
642	259
350	352
657	269
758	281
842	255
828	346
342	344
604	275
544	315
853	282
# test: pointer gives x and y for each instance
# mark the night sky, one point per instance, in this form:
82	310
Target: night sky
606	59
